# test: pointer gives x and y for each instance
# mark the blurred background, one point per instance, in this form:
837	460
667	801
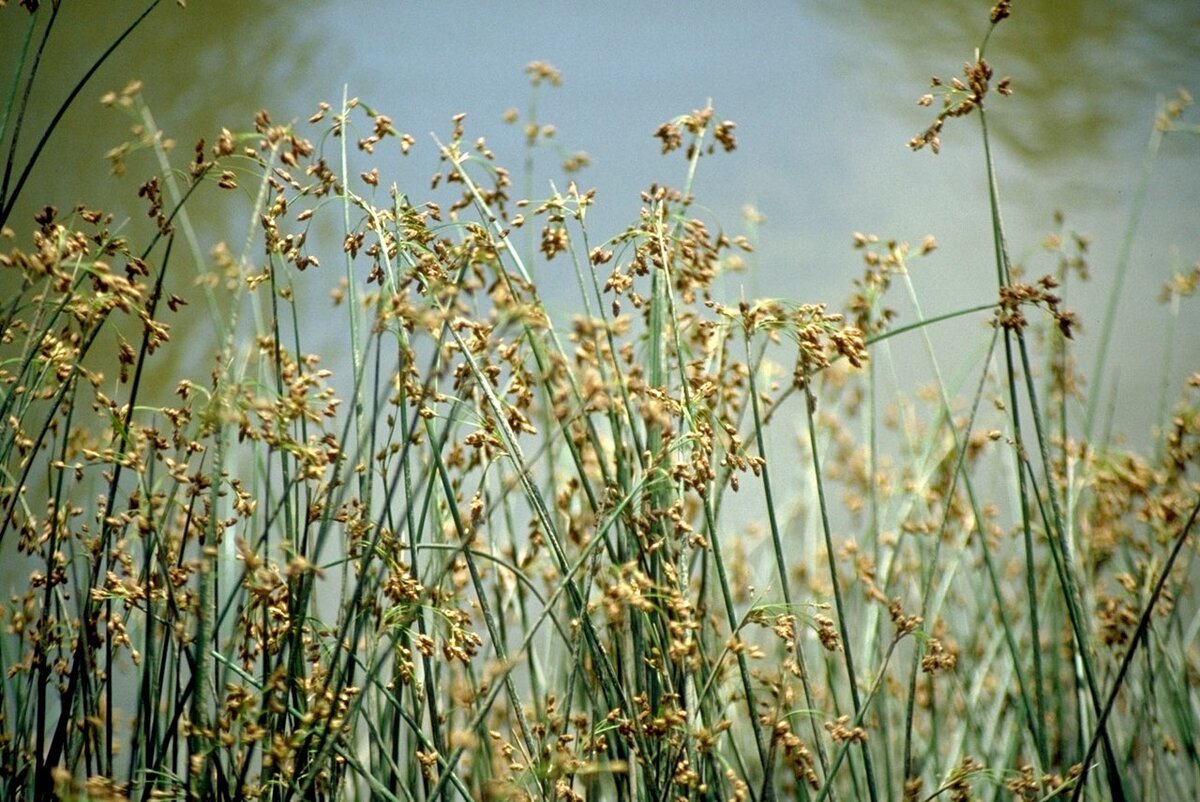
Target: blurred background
823	94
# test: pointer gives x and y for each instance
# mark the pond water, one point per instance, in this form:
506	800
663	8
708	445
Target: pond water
823	94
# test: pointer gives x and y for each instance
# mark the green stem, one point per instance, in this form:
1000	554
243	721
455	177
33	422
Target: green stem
843	628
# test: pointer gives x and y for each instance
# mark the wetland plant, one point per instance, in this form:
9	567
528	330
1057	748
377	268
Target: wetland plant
670	544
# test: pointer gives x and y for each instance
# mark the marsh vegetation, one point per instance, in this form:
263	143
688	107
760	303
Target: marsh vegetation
672	543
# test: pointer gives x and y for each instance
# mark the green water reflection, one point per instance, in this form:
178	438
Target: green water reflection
1087	71
823	94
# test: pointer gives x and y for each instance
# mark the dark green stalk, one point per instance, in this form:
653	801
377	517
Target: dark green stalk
1139	636
84	645
41	661
90	339
537	501
16	136
436	735
201	762
843	749
780	563
11	96
843	629
876	546
354	620
414	529
1002	267
662	309
514	700
537	347
7	201
284	507
960	471
356	352
561	590
144	731
123	433
1060	551
1003	279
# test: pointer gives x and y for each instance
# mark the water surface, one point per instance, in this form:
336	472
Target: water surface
823	94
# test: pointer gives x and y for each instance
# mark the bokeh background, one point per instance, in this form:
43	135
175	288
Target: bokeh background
823	94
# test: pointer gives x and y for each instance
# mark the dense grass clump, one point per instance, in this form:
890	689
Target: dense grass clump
667	545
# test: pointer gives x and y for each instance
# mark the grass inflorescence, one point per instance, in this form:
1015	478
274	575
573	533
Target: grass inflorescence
670	545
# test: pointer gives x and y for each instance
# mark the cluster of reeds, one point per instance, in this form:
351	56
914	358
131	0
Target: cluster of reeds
672	545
